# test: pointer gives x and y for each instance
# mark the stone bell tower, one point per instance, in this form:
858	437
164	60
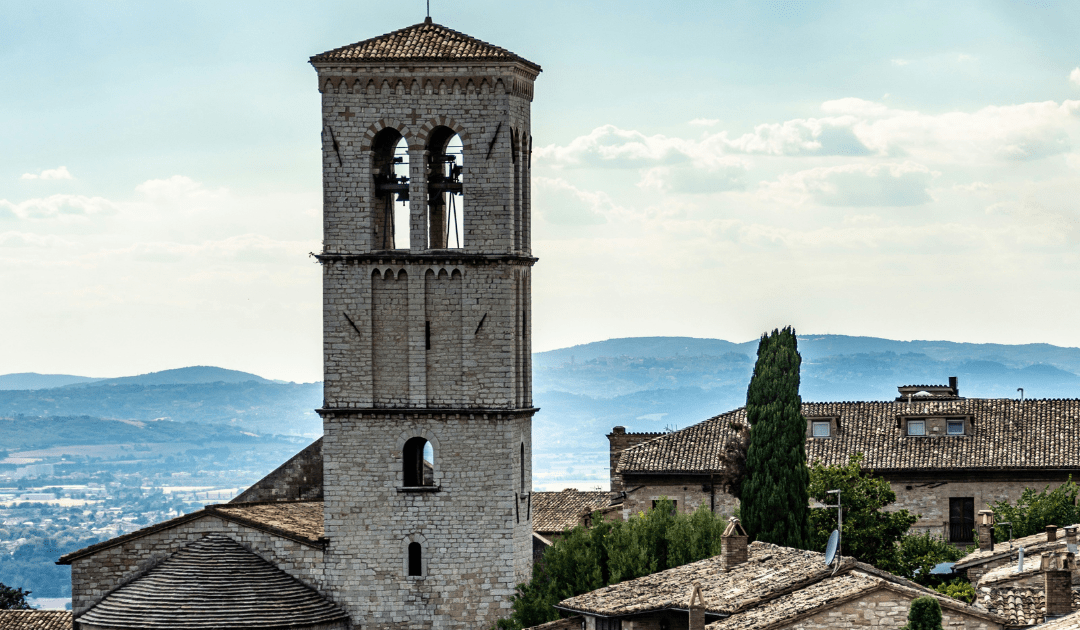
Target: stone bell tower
426	327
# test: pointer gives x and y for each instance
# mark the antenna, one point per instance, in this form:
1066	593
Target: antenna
1021	390
429	9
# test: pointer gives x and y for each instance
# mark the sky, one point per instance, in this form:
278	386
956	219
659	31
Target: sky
907	170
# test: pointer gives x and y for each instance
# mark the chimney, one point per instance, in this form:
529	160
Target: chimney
1051	533
733	545
697	609
986	530
953	386
1057	575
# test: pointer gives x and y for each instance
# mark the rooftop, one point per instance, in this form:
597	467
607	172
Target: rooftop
35	619
425	41
554	512
234	588
1021	606
1033	544
1005	435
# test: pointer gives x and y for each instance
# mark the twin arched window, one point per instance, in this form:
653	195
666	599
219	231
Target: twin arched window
446	211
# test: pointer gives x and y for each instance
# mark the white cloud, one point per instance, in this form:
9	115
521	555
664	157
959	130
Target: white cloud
962	57
561	203
705	122
723	175
857	185
52	173
23	239
1074	76
57	207
900	62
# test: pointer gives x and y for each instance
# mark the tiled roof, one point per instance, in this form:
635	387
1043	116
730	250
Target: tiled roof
301	521
798	579
1021	606
213	582
1035	543
1006	435
1068	622
554	512
576	622
35	619
425	41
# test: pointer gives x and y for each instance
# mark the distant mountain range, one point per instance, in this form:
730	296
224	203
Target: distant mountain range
643	383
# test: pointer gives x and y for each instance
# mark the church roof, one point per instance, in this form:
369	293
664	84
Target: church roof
300	521
35	619
425	41
213	582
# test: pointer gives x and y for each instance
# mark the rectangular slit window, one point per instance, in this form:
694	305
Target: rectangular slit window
955	427
916	427
822	429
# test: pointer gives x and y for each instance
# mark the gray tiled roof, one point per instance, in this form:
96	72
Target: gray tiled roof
213	582
1068	622
771	574
1021	606
425	41
35	619
301	521
1035	543
553	512
1006	435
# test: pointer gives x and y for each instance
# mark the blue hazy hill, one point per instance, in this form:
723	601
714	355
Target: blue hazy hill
33	380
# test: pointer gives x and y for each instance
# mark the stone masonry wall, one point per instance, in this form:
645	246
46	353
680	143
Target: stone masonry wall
687	491
95	576
881	609
618	441
474	531
299	478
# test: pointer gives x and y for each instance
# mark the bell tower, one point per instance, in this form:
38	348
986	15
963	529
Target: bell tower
427	412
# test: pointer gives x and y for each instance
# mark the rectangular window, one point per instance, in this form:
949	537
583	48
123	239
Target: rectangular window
821	429
961	519
916	427
955	427
608	624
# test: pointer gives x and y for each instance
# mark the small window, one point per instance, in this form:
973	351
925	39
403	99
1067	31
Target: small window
916	427
418	461
822	429
522	467
955	427
416	565
603	623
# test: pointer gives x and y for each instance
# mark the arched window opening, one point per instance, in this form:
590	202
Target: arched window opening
416	565
390	166
446	202
419	463
522	460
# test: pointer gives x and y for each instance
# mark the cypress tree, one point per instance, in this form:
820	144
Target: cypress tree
924	614
775	495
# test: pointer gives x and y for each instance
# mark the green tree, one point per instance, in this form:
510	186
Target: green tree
959	589
584	559
920	553
924	614
871	534
1033	511
13	598
774	495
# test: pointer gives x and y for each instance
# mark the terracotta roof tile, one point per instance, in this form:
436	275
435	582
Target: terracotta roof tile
35	619
213	582
1006	435
425	41
1020	606
554	512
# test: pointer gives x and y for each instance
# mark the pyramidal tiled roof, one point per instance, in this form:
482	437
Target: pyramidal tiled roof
425	41
213	582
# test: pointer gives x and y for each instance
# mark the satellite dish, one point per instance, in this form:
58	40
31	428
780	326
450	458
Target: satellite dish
830	549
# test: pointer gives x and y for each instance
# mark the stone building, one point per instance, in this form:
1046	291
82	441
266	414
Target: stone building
945	456
414	510
761	586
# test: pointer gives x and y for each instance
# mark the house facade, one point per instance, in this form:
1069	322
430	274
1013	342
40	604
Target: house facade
945	456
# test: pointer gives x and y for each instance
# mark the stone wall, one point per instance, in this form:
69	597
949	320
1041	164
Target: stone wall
881	609
299	478
618	441
95	576
474	529
688	492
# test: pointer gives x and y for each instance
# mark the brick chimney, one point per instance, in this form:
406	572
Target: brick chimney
1057	575
986	530
733	545
1051	533
697	609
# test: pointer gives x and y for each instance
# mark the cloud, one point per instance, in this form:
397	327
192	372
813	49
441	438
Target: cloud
58	207
900	62
705	122
1074	76
561	203
859	184
729	174
53	173
22	239
609	146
